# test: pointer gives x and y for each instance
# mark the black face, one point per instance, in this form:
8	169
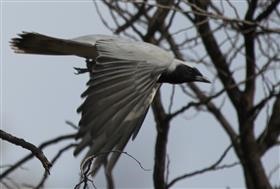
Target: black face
182	74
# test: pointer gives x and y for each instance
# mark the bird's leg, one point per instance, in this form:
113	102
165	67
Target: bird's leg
84	70
89	62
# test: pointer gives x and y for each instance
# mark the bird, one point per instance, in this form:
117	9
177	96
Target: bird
124	76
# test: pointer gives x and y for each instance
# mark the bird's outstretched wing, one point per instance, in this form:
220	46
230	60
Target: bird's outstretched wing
121	88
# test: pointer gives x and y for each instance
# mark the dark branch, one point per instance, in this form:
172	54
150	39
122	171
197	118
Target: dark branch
161	142
158	19
270	135
213	167
56	157
219	116
263	15
249	40
251	10
130	22
37	152
260	105
160	116
215	53
30	156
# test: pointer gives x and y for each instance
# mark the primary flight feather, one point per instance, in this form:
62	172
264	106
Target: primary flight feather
124	78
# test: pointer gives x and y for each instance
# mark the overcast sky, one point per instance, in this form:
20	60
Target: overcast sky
40	92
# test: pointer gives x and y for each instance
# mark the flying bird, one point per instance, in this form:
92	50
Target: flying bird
124	78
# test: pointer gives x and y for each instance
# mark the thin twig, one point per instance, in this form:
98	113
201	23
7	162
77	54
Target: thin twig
59	153
171	99
215	166
86	166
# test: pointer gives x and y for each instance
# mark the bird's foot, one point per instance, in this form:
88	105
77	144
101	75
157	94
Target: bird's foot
81	70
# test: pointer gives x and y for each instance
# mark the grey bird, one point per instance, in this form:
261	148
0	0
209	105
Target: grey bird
124	78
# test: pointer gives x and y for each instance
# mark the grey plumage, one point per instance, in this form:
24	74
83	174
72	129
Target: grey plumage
124	77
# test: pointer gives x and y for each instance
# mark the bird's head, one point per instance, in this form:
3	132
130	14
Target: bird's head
182	73
195	75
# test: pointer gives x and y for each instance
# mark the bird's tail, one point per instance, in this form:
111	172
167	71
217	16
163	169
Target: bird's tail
35	43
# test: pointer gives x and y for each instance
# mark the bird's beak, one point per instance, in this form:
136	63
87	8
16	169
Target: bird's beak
202	79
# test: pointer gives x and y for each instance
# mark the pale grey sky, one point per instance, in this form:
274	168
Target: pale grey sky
40	92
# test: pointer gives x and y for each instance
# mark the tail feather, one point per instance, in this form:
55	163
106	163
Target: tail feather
35	43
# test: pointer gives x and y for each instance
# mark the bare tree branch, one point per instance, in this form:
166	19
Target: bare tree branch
37	152
56	157
272	7
270	135
86	170
213	167
30	156
216	55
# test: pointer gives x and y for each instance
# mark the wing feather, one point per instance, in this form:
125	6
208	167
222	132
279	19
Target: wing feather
121	88
96	116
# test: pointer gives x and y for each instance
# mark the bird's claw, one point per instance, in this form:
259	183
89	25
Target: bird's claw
80	70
